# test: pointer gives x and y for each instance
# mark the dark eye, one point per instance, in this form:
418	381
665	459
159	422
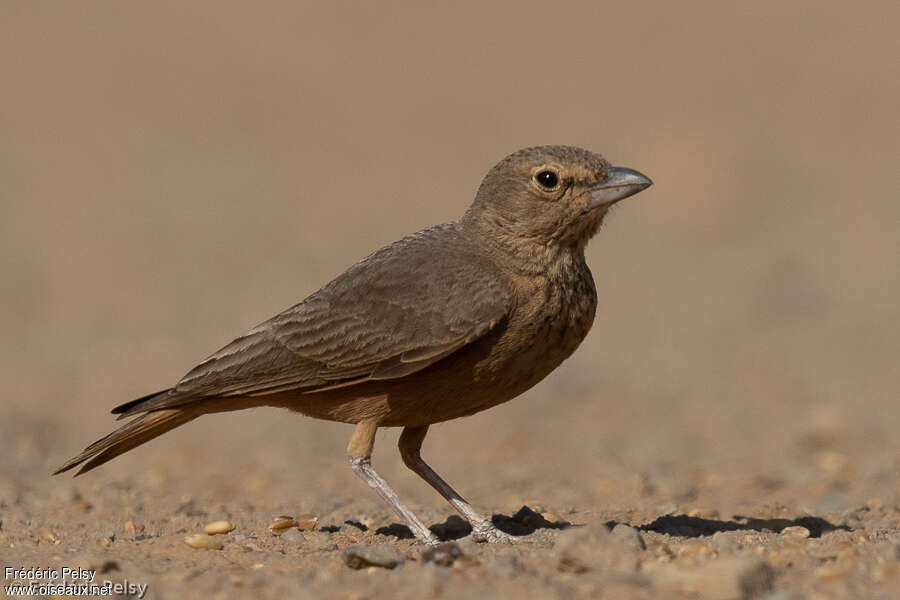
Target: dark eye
547	179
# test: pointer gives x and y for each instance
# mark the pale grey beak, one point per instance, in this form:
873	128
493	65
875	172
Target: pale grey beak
621	183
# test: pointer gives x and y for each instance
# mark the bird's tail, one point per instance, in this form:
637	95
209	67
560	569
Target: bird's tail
132	434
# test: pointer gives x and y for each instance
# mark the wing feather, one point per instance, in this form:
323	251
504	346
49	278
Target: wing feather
391	314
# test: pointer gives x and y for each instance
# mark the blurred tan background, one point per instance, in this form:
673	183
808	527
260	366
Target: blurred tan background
173	173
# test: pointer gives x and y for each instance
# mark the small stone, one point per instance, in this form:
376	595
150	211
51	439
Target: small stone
281	524
703	513
832	572
218	527
308	522
361	557
629	536
468	546
133	529
318	541
201	540
443	555
723	579
48	536
594	548
794	536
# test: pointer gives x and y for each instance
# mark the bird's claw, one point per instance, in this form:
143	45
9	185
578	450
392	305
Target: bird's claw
431	540
487	532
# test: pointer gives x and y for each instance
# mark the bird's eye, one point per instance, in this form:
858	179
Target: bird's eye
547	179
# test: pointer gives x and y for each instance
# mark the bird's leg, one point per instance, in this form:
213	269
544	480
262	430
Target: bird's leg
410	450
360	451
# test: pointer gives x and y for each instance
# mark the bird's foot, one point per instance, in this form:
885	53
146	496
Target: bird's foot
487	532
430	540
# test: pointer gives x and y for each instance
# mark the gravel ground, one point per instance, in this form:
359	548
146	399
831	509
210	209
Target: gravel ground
826	524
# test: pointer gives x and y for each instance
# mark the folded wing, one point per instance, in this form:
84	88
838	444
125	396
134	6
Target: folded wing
395	312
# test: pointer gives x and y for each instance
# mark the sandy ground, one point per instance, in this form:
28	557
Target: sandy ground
173	174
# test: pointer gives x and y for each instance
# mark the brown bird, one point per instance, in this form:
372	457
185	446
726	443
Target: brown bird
442	324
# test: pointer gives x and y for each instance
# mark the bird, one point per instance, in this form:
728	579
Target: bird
442	324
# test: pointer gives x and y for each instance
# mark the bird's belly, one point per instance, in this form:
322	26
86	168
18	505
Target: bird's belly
490	371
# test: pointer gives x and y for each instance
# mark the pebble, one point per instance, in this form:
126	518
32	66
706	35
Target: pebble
281	524
723	579
218	527
317	541
443	555
594	548
361	557
308	522
629	536
132	529
794	535
201	540
48	536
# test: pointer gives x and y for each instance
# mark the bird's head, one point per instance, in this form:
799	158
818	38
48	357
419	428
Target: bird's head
554	196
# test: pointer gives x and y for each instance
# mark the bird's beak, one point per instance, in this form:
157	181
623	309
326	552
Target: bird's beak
621	183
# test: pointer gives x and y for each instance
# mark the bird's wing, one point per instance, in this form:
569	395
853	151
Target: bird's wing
391	314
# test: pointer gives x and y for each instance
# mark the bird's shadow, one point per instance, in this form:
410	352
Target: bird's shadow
525	521
685	526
